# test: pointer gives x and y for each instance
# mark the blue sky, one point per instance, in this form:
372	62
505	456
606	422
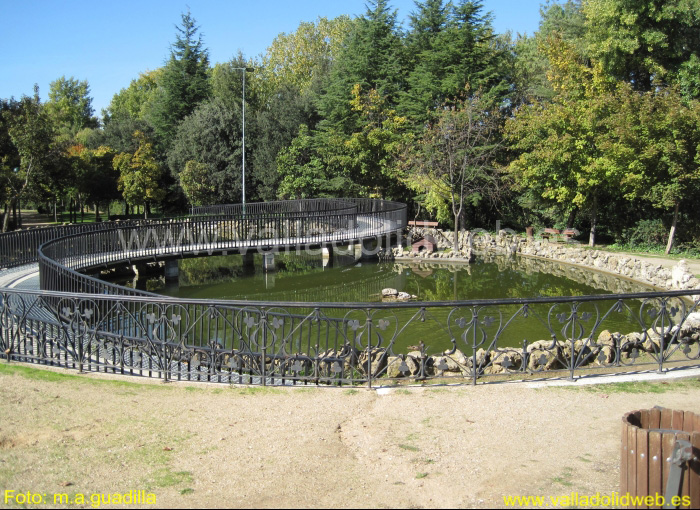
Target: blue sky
110	43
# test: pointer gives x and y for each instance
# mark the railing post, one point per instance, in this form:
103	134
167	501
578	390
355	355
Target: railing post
369	351
263	350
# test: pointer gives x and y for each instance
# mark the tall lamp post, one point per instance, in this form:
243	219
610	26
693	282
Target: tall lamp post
245	70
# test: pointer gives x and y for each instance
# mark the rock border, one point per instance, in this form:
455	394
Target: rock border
627	266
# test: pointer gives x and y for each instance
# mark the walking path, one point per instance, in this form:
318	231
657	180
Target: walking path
693	263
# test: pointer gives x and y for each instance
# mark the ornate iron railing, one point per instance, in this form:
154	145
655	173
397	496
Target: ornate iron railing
346	343
85	323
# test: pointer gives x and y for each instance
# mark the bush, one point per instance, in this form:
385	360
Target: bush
646	234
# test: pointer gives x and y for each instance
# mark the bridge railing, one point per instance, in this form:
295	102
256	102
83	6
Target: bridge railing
308	207
60	259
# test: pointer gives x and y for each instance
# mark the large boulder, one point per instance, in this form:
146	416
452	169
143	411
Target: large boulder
504	360
543	356
377	361
680	275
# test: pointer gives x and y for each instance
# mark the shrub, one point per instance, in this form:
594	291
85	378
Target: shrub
646	234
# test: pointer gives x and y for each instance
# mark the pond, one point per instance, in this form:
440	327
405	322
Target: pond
302	278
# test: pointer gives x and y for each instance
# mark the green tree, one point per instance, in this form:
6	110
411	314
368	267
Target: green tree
305	55
277	126
227	84
197	185
140	174
32	133
561	144
212	136
134	101
372	150
422	43
184	82
643	41
70	105
425	24
303	170
452	46
566	22
654	138
454	161
371	57
94	179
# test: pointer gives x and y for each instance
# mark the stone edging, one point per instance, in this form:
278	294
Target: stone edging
677	278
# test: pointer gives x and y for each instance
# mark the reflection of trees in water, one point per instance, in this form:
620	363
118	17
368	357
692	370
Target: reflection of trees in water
492	277
300	277
218	269
214	269
368	288
589	277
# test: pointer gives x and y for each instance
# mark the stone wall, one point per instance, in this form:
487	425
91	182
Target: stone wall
677	278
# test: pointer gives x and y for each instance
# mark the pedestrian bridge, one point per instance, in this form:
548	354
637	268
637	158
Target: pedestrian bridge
52	313
258	227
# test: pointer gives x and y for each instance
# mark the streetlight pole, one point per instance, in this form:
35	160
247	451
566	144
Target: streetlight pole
245	70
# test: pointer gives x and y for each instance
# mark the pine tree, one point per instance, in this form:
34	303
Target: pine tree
184	82
454	46
372	58
426	24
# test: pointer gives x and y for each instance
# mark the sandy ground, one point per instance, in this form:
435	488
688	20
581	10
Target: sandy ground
223	446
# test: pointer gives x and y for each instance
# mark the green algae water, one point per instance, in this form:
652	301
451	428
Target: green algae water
301	278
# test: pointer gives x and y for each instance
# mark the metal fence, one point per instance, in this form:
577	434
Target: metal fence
345	343
84	323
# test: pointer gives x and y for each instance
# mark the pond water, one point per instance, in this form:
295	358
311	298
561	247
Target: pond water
302	278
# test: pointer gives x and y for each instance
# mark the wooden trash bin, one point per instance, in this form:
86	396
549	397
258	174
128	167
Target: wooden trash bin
649	437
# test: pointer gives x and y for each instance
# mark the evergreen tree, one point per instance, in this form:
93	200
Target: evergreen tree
372	58
184	82
425	25
454	46
211	136
422	41
276	128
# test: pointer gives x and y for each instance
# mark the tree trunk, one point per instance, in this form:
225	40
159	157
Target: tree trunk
572	217
6	217
594	219
145	212
55	216
672	234
19	214
97	212
456	239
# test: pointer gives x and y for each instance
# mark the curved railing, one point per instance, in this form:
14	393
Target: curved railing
61	259
308	207
81	322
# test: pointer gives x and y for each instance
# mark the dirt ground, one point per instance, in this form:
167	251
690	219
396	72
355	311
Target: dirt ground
223	446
